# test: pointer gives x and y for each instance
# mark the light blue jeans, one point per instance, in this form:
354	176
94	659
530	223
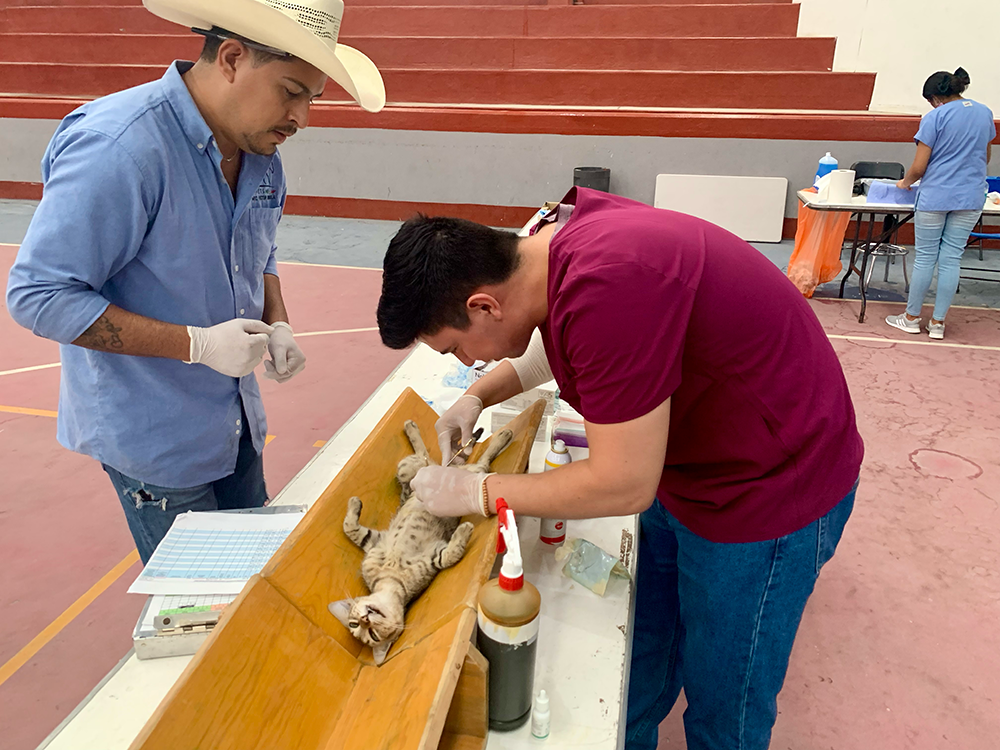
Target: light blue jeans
941	237
150	509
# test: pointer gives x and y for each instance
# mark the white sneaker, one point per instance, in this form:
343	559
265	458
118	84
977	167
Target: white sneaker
903	323
935	330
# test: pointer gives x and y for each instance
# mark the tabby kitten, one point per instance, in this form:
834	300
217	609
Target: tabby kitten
402	560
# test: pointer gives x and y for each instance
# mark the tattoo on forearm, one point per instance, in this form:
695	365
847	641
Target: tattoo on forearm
102	335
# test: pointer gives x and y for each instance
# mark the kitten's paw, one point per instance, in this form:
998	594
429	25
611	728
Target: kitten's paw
353	512
413	435
455	549
463	533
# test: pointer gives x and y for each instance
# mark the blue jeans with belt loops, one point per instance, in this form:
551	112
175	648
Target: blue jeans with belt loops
719	620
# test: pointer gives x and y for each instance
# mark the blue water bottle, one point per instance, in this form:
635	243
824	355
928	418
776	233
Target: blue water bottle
826	165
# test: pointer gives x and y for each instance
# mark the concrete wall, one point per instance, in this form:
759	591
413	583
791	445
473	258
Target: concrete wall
495	169
22	143
904	41
525	170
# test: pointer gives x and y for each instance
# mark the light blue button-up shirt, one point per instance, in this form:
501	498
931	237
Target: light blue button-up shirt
136	212
958	133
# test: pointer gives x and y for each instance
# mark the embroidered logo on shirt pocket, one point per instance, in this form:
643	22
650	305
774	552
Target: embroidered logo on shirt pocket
263	231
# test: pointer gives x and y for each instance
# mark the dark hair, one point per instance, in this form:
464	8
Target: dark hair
943	85
432	267
216	36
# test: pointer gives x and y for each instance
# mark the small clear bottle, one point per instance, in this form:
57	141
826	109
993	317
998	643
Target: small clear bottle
540	717
553	530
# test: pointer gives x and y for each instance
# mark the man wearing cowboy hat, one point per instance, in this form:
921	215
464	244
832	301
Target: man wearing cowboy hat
151	257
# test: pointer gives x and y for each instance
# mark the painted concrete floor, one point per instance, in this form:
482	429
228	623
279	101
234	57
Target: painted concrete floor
62	529
352	242
899	647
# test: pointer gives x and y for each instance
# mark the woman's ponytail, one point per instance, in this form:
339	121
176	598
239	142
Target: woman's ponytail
943	84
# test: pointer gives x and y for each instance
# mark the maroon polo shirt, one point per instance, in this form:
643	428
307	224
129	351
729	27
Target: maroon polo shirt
647	304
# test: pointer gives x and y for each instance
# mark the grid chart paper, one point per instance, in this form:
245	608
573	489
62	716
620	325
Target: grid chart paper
213	553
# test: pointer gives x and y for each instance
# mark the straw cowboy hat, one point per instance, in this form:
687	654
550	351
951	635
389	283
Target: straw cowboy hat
307	29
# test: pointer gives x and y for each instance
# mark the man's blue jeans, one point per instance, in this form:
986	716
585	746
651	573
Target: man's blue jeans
150	509
719	620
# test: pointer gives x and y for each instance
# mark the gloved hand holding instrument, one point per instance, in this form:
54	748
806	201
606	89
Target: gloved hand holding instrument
454	428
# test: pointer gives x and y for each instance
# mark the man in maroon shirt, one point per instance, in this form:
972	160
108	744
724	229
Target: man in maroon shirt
705	381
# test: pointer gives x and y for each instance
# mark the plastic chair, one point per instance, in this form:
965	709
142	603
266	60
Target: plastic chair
992	186
980	236
884	170
878	170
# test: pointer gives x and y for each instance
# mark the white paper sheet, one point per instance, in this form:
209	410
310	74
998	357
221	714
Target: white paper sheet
213	553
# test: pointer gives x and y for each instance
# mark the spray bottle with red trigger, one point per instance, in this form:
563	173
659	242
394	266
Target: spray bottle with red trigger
508	630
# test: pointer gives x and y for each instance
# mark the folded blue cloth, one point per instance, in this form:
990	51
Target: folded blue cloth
887	192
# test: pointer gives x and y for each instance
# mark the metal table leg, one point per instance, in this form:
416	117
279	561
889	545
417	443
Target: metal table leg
854	251
865	259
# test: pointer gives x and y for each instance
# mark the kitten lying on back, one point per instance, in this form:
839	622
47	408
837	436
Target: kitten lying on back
401	561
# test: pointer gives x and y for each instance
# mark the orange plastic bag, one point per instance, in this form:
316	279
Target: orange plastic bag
819	239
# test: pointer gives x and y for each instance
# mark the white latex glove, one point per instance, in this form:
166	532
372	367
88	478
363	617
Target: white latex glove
455	426
233	348
450	491
287	360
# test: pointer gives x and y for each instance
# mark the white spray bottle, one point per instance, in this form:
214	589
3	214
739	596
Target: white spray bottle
553	530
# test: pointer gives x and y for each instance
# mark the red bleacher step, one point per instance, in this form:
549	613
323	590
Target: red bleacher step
719	20
765	53
64	3
577	21
708	90
620	53
757	90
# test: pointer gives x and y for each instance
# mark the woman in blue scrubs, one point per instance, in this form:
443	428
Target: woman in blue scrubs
953	150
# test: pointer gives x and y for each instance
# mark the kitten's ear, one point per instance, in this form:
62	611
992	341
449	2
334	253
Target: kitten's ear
342	611
379	651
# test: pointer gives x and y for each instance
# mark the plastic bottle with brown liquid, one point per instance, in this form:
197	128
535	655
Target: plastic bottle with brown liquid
508	631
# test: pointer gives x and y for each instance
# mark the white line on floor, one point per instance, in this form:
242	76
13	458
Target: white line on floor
326	265
324	333
900	302
285	263
913	343
30	369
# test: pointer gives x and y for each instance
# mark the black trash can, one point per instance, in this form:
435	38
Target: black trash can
598	178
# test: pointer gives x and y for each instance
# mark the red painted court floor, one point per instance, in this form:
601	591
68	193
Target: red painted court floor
900	644
61	527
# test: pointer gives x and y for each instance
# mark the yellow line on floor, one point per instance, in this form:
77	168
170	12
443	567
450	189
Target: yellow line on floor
30	369
343	330
32	412
269	438
36	644
915	343
319	444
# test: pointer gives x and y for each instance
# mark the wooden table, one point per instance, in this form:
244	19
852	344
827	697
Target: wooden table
861	209
584	640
